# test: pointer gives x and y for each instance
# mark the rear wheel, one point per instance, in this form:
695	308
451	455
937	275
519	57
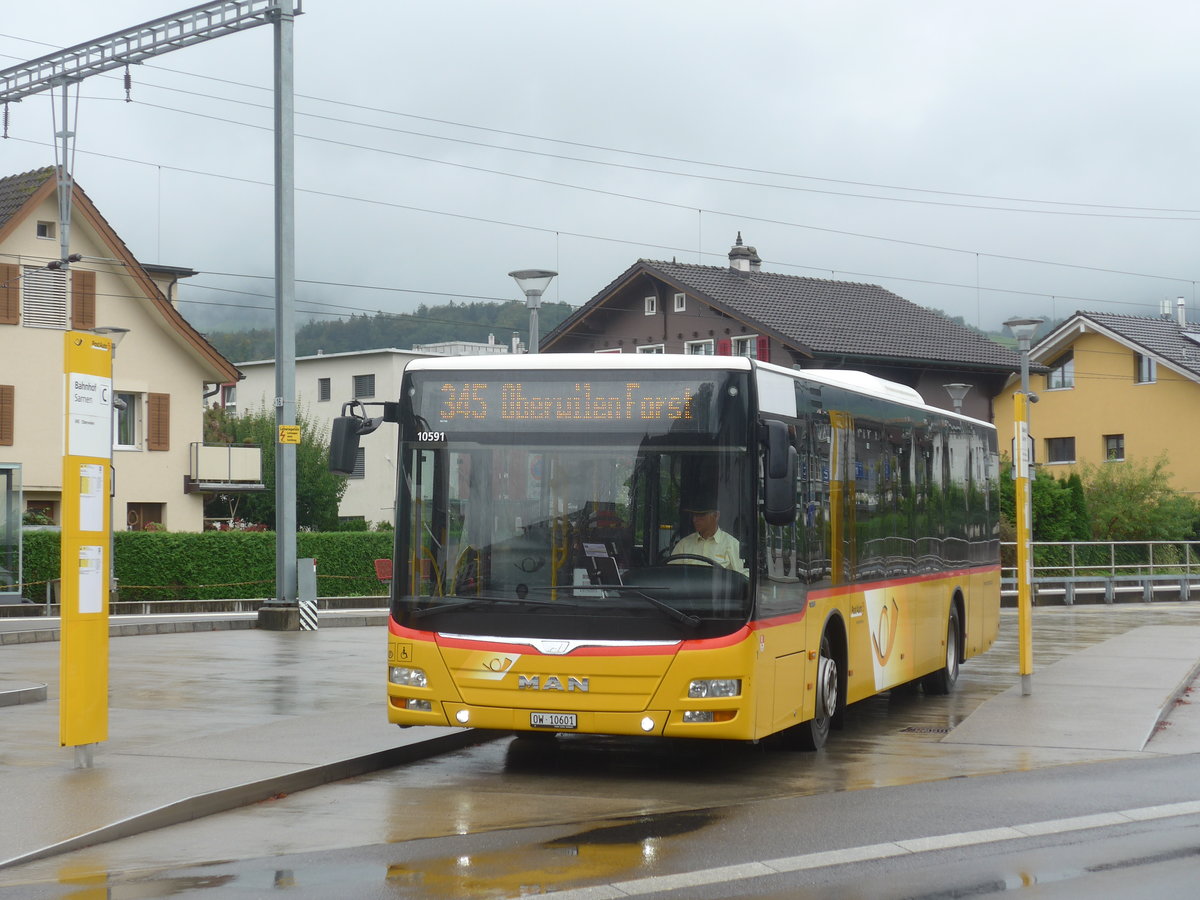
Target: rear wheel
942	681
813	734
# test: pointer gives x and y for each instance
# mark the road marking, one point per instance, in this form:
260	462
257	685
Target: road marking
724	874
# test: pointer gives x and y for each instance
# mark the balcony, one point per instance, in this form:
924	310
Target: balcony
223	469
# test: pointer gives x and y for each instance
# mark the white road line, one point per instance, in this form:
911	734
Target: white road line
724	874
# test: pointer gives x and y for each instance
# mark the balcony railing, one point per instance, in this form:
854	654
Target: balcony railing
223	468
1070	572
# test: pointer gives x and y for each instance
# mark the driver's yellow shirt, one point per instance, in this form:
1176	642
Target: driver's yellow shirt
722	548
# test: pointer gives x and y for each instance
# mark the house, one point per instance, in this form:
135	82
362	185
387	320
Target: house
672	307
1114	388
161	365
325	382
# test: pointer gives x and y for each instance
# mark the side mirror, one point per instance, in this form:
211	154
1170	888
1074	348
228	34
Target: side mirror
343	444
779	475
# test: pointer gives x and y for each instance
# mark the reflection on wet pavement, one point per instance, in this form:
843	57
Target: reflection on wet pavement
637	790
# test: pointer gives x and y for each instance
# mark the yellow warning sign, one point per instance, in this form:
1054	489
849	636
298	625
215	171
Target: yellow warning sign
289	434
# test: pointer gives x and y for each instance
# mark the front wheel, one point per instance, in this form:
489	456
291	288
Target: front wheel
942	681
813	734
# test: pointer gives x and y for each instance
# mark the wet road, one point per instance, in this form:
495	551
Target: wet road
510	784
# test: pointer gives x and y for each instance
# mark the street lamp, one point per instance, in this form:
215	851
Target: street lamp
533	282
1024	330
957	393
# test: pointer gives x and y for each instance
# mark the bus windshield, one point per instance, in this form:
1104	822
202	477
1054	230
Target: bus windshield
551	506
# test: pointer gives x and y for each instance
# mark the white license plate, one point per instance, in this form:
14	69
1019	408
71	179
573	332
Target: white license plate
553	720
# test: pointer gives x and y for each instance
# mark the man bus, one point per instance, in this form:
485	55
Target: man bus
537	585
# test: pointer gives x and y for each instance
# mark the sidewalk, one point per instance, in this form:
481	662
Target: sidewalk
201	722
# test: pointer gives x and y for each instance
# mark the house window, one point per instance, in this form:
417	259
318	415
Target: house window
42	509
323	390
652	348
144	516
1145	370
699	348
1062	372
360	464
612	350
651	305
364	387
44	297
746	346
1060	450
681	303
129	420
229	398
47	231
1114	447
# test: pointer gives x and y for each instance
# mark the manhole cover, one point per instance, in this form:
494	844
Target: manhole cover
925	729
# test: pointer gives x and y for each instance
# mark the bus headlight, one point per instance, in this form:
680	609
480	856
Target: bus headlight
715	687
407	677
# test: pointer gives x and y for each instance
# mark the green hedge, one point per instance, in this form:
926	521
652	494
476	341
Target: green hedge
215	565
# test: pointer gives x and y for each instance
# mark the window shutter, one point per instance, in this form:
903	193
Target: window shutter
10	294
7	410
762	348
83	299
158	430
724	347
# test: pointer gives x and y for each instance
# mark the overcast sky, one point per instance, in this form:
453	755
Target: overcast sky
989	158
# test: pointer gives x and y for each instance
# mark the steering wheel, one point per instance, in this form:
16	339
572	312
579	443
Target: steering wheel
704	559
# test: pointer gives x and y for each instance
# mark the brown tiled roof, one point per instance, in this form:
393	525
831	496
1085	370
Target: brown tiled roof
16	189
1162	337
823	317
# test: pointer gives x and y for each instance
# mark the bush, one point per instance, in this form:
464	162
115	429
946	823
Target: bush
214	565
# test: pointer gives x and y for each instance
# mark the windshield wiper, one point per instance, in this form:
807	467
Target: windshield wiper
480	602
678	614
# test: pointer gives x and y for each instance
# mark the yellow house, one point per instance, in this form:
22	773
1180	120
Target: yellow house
1114	388
161	367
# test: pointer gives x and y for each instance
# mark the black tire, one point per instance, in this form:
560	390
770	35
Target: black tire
942	681
813	734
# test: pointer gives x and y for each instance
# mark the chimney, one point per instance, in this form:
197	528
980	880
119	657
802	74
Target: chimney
1180	312
755	260
1164	308
741	258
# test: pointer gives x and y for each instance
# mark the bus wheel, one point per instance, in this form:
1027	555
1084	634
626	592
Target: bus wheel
942	681
811	735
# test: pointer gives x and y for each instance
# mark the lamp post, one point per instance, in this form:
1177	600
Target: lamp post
1024	330
533	282
957	393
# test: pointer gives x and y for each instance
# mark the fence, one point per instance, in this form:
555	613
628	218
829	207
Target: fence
1106	571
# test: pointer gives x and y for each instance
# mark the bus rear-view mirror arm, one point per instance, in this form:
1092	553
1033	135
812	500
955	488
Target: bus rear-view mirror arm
351	425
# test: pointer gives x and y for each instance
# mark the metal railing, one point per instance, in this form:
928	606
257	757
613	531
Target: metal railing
1108	569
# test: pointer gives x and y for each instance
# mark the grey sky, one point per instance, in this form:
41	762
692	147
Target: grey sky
994	103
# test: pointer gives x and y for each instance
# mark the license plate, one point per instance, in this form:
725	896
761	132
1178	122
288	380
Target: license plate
553	720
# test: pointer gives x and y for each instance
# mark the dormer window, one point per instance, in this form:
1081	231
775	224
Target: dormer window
1062	372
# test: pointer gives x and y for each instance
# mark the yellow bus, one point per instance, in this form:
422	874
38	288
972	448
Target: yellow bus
547	577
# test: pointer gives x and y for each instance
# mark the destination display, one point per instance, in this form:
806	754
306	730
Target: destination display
624	404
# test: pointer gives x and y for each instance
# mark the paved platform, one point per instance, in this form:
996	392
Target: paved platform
201	721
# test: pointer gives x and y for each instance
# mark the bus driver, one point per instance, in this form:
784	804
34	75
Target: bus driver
709	541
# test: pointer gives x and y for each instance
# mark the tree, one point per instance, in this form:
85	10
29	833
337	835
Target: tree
1134	501
318	491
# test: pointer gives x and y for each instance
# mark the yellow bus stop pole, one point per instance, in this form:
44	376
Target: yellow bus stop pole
1024	528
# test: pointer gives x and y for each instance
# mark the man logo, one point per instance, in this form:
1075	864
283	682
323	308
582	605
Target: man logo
552	683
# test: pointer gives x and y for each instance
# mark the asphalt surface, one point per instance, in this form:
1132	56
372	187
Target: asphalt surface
208	713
